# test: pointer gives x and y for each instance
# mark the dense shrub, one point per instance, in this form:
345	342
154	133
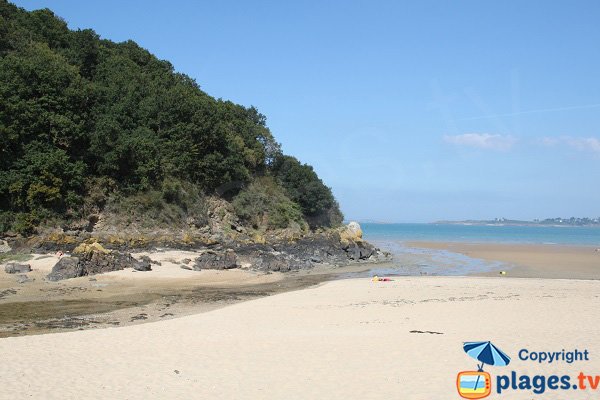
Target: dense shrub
177	204
264	204
305	188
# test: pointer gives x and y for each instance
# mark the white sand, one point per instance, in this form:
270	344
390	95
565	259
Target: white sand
168	273
342	340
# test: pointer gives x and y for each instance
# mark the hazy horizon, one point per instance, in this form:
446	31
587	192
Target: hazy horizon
411	112
373	221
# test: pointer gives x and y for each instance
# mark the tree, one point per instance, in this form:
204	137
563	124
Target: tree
76	109
304	187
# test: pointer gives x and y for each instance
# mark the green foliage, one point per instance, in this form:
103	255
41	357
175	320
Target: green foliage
175	204
264	203
304	187
86	121
25	223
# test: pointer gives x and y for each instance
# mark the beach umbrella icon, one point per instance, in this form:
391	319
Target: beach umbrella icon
486	353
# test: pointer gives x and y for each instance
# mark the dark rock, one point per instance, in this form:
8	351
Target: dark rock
24	279
142	265
65	268
216	260
353	252
185	267
14	268
92	263
186	261
316	259
366	250
149	260
325	247
279	262
359	250
138	317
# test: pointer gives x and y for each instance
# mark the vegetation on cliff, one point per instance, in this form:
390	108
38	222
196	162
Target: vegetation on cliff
89	125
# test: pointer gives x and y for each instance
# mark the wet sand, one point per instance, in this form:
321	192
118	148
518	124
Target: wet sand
129	297
529	260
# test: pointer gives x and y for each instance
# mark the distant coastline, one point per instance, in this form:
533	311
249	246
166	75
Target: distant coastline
481	232
550	222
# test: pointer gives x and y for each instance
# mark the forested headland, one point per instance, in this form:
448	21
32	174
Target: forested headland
91	128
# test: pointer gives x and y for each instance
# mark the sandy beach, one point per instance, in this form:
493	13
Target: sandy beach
129	297
343	339
529	260
174	333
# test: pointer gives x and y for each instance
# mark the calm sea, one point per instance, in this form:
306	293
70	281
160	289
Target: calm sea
483	233
410	260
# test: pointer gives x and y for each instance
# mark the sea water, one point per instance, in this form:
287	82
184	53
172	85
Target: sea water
566	235
410	260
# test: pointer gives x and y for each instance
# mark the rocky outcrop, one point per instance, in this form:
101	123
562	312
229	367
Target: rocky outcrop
281	262
95	247
351	232
277	251
216	260
92	260
65	268
14	268
333	247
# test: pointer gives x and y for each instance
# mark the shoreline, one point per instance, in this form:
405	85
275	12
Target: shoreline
343	339
124	298
547	261
127	297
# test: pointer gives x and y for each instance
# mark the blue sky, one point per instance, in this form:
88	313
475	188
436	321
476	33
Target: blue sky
410	111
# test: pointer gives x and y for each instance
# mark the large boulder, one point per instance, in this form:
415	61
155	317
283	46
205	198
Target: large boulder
142	265
92	262
150	261
14	268
216	260
65	268
351	232
359	250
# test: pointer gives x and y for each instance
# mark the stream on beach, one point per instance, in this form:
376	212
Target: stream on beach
75	307
89	305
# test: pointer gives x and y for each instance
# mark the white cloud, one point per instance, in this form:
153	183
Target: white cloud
585	144
590	144
548	141
482	140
